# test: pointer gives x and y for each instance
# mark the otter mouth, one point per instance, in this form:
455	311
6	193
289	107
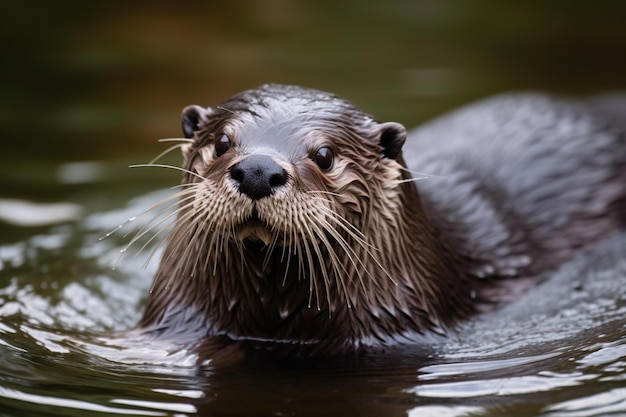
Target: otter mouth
255	230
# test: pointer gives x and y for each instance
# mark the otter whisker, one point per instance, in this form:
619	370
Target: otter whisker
185	270
288	243
270	250
412	179
154	206
331	193
212	251
176	140
355	233
152	253
153	224
350	228
171	197
165	152
195	174
312	240
188	240
132	219
225	238
226	109
353	257
420	175
111	232
241	248
175	236
170	236
190	227
336	265
142	232
203	231
294	248
330	202
282	256
302	253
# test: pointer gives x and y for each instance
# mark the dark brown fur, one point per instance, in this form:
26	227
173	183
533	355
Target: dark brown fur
363	255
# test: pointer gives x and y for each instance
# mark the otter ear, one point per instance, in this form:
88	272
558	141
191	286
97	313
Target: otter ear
192	116
392	136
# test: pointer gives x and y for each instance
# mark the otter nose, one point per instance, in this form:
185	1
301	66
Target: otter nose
258	176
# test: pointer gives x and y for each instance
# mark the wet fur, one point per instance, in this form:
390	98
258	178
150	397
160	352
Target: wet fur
535	179
363	255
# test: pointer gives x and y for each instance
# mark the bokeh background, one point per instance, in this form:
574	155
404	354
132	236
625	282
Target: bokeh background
104	80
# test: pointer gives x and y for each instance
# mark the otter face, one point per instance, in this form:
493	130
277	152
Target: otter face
281	165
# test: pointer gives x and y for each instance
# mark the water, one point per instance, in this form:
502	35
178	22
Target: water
560	351
88	90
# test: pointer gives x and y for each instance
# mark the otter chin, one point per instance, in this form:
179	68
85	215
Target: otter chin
301	230
256	231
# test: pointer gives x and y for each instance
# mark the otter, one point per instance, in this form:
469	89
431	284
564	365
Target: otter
301	230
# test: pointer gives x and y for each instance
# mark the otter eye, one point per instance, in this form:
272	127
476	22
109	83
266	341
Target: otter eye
324	158
222	144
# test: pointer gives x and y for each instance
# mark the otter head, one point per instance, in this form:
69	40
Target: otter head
284	165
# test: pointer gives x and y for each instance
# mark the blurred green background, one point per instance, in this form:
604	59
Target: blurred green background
104	80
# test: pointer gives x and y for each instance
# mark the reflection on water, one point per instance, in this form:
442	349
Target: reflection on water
561	351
